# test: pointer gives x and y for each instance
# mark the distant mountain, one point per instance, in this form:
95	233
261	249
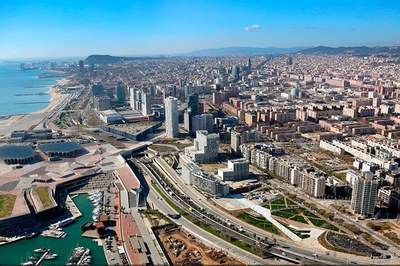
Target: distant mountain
228	51
243	51
109	59
358	50
102	59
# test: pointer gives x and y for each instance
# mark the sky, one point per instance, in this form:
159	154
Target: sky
50	28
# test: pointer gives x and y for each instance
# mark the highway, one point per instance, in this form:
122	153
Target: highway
157	202
200	200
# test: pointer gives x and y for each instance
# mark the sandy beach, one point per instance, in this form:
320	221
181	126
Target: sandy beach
25	121
56	96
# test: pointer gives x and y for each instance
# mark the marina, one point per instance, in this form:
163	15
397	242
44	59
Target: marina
54	233
63	247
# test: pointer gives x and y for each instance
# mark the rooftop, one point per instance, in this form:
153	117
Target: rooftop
16	151
64	146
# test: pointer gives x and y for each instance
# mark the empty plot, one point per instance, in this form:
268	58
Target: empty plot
6	204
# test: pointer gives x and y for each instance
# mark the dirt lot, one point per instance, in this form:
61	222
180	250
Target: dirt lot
212	168
185	249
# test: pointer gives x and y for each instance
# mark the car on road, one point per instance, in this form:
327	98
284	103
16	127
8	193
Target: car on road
174	215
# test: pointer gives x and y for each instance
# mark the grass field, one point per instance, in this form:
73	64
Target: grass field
299	218
259	222
317	222
289	202
310	214
280	201
161	148
282	214
43	193
277	206
294	211
6	204
331	227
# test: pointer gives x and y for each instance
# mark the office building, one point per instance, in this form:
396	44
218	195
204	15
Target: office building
237	170
146	104
193	108
81	67
171	117
140	101
102	103
97	90
193	103
201	180
235	72
202	122
132	100
121	94
205	147
363	197
241	136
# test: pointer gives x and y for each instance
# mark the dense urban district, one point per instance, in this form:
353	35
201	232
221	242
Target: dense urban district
287	159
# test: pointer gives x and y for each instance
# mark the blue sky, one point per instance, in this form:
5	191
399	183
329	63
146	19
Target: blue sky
50	28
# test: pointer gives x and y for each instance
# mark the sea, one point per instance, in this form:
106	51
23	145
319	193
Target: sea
19	89
19	251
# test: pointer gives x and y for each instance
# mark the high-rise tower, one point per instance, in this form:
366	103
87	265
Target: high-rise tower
171	117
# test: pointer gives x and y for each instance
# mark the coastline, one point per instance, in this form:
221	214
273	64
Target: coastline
56	96
14	122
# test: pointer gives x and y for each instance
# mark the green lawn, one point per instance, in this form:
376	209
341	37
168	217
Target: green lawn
6	204
299	218
330	227
289	202
44	196
294	211
310	214
282	214
260	222
277	207
280	201
317	222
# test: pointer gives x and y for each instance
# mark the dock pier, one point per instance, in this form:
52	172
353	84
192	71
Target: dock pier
42	257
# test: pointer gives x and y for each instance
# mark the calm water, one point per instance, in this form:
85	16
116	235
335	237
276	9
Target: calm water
14	81
19	251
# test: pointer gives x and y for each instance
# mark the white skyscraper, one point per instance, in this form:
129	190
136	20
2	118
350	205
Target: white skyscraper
146	104
171	117
363	197
132	93
140	101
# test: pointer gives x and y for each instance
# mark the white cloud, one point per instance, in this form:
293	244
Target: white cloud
252	27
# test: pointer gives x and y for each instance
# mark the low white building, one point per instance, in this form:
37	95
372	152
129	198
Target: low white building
205	147
110	117
237	170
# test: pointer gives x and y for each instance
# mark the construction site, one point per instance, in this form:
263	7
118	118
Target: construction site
185	249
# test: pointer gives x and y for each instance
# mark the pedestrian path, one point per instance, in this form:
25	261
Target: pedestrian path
267	215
